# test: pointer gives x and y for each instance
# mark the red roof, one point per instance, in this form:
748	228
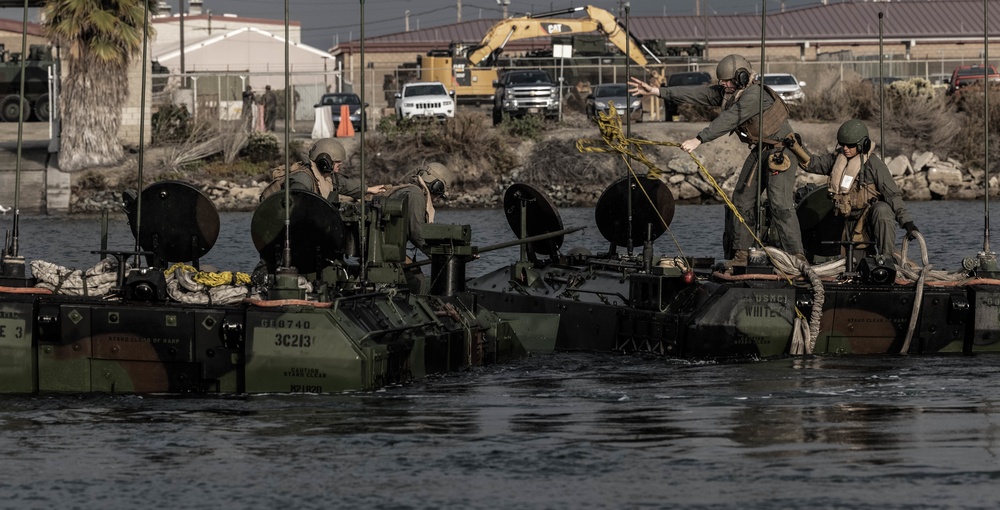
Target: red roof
9	25
857	21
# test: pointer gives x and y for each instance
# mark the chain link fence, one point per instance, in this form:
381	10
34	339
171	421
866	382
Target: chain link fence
218	96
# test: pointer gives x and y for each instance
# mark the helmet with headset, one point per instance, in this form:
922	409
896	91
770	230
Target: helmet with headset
736	68
855	132
436	176
325	153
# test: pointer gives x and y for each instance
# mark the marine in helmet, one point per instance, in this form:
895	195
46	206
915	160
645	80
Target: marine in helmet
862	189
430	181
741	96
320	174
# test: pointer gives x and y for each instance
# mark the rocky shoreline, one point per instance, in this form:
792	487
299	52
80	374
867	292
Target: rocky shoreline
921	175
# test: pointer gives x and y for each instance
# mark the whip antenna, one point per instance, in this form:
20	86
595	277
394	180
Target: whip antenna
12	249
628	124
881	92
760	122
286	254
363	251
986	125
142	131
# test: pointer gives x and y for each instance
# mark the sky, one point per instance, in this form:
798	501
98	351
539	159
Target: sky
325	22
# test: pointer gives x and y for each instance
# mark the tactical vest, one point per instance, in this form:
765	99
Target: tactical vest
278	180
774	117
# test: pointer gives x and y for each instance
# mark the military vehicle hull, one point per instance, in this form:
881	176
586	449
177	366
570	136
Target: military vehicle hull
624	310
62	344
169	328
690	309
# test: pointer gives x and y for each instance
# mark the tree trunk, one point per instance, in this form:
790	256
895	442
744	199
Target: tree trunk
91	106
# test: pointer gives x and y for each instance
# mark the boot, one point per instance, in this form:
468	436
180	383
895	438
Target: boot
739	259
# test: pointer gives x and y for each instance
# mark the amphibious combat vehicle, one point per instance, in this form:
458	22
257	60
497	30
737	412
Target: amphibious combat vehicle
692	308
315	317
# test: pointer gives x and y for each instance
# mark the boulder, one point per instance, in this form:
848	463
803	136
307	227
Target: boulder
699	182
687	192
683	165
922	159
938	190
899	166
945	174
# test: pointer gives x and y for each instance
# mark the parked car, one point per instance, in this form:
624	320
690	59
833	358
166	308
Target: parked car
359	119
428	99
963	76
598	101
684	79
786	86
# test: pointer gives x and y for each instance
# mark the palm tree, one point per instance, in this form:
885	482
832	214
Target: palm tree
101	38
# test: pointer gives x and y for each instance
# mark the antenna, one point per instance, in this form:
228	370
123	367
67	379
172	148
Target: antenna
12	249
286	254
761	168
881	92
142	132
364	187
628	124
986	124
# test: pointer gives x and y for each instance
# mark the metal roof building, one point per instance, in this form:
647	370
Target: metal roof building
914	28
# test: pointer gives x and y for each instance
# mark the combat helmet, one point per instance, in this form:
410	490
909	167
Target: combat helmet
325	153
437	177
734	67
852	132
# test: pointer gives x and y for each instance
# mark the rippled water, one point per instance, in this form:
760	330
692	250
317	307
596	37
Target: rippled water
557	431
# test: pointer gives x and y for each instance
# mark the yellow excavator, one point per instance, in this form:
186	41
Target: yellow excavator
470	70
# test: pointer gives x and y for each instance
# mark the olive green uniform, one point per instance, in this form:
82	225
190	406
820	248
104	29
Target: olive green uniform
342	185
417	211
886	211
780	185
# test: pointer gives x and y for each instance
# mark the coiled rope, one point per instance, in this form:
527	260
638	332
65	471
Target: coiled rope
188	285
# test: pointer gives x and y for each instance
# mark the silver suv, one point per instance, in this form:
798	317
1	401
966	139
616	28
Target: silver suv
425	100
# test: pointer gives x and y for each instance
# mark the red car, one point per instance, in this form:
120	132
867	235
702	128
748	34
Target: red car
964	76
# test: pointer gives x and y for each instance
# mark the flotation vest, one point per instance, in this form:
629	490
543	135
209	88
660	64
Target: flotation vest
849	196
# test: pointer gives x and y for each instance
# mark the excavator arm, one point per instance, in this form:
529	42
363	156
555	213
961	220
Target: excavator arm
548	25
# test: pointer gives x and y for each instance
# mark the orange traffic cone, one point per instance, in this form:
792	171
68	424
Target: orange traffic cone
345	128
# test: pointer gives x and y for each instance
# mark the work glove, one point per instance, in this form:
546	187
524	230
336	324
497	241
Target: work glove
910	229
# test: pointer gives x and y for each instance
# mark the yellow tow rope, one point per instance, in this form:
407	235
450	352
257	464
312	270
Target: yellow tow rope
211	279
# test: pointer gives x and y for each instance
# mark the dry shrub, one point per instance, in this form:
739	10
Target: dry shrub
918	118
837	104
467	144
558	161
969	142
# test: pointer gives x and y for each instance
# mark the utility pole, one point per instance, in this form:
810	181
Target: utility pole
459	11
406	16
